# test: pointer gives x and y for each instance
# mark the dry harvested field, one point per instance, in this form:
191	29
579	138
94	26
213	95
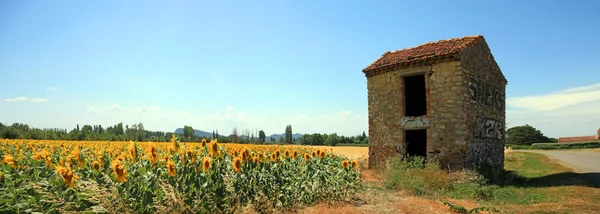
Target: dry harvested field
352	152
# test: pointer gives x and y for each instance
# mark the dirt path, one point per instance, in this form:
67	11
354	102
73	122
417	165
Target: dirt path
583	161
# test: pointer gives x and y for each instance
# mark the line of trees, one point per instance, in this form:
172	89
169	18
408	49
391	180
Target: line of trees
527	135
118	132
137	132
332	139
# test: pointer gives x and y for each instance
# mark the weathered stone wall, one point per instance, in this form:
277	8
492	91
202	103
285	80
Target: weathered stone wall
465	118
447	139
445	119
385	98
485	107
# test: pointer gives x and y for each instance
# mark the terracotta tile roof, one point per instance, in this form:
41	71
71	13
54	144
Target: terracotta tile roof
425	53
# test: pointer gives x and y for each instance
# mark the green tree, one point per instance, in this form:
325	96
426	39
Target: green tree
10	132
525	135
288	134
234	135
261	136
188	132
332	140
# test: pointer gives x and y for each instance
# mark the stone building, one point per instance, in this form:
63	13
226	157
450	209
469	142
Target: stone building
442	100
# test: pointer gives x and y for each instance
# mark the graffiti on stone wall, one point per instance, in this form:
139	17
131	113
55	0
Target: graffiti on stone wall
486	128
486	94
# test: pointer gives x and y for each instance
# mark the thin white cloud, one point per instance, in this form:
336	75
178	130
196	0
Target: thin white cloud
26	99
16	99
156	118
570	112
556	100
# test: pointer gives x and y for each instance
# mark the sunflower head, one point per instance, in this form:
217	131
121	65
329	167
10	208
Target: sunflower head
345	164
294	154
214	148
286	153
132	151
191	155
10	160
322	155
245	154
303	171
96	165
318	152
171	169
354	164
48	161
205	164
314	154
237	164
306	157
119	171
277	154
67	175
153	155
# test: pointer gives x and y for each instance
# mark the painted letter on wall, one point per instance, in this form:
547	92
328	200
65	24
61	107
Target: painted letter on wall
486	94
487	128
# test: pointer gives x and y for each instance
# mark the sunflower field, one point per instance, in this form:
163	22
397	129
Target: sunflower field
205	177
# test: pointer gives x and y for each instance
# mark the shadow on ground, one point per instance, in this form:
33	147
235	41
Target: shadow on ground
559	179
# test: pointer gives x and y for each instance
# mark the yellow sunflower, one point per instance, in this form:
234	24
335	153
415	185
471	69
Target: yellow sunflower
306	157
345	164
286	153
192	156
354	164
171	168
48	161
214	149
322	154
67	175
237	164
153	155
95	165
245	154
205	164
277	154
10	160
119	171
294	154
132	151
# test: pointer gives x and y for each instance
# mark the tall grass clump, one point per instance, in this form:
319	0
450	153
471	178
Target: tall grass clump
421	177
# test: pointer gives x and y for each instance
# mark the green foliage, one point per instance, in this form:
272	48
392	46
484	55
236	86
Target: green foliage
554	146
288	134
188	132
11	133
261	136
525	135
266	186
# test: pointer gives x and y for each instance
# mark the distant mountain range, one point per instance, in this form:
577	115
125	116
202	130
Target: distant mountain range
205	134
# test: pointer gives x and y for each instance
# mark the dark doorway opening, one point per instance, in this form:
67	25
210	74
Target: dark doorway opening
416	142
415	102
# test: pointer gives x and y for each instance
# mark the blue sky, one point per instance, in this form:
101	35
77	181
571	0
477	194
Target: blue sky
266	64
